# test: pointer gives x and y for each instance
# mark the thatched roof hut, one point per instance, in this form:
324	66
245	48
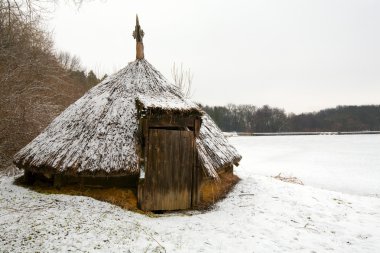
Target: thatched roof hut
106	132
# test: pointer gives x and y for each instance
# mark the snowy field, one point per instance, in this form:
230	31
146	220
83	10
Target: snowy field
346	163
260	215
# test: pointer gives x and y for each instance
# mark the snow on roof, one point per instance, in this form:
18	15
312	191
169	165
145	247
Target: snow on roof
167	103
98	133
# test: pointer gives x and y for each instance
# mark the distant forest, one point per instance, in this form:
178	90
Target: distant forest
249	118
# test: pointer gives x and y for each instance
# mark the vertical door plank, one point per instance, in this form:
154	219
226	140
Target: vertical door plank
169	173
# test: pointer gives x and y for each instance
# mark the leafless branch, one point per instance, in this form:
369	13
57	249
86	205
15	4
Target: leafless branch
183	79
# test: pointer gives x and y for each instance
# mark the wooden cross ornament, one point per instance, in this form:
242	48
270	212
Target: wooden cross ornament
138	34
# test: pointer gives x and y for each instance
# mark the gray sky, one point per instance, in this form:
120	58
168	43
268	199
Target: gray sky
299	55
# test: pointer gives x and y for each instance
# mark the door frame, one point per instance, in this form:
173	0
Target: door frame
168	122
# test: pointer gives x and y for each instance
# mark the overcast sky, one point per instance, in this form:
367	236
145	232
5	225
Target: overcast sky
300	55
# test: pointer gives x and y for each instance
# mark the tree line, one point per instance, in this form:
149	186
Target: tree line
72	65
249	118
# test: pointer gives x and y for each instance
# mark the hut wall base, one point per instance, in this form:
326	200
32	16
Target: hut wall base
29	177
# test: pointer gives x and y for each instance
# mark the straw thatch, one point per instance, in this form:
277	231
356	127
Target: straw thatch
98	134
214	150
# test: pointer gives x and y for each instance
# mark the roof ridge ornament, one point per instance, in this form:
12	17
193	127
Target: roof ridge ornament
138	34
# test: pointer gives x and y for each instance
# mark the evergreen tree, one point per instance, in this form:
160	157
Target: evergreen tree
92	80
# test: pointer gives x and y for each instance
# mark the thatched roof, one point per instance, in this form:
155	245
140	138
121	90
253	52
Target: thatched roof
214	150
98	133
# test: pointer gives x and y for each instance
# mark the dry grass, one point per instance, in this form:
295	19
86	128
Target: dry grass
212	191
293	180
123	197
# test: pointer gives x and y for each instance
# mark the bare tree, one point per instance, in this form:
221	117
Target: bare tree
34	87
183	79
68	61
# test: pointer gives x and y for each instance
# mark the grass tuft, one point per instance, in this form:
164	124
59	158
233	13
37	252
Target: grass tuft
293	180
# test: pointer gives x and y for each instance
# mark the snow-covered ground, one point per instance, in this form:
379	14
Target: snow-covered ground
260	215
346	163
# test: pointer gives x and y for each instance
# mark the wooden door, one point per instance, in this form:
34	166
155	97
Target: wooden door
169	170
